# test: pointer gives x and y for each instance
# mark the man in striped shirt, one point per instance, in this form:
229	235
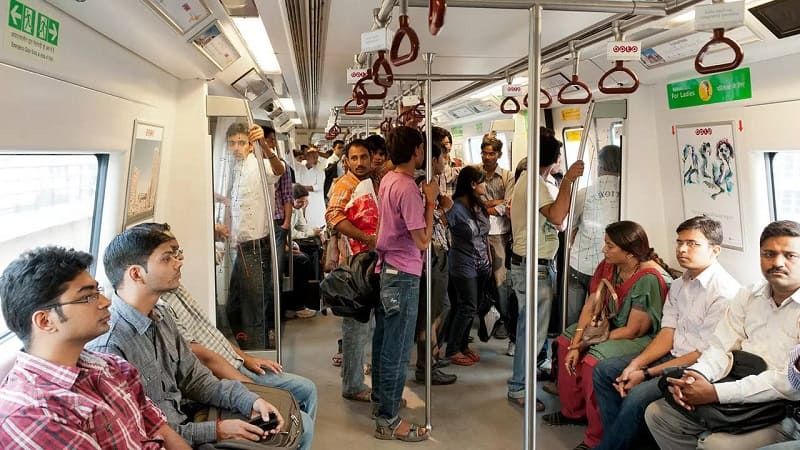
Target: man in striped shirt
59	395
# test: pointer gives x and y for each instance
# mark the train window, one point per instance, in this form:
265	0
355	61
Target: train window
474	150
616	133
50	199
572	143
782	169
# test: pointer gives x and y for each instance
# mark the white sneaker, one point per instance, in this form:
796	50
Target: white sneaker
306	313
511	348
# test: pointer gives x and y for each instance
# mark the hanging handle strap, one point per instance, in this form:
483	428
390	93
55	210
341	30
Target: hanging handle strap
386	125
513	108
436	10
360	107
619	67
360	90
718	38
382	64
546	104
576	82
404	31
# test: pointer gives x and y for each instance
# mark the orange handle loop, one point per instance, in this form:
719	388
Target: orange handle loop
333	132
436	10
541	105
359	109
718	38
618	67
382	63
513	109
576	82
360	90
403	31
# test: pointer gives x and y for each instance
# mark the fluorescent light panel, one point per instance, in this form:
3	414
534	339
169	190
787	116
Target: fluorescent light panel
257	41
297	121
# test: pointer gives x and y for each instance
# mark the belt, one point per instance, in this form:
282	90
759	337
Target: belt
518	260
256	244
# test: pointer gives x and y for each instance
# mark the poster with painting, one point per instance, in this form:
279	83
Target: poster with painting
140	197
213	43
709	176
181	15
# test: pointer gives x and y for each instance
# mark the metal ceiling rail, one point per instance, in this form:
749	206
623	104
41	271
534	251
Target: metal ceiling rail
382	16
600	32
611	6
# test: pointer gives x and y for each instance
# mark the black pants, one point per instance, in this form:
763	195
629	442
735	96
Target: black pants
250	306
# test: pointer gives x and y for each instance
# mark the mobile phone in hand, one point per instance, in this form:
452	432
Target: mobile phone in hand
269	425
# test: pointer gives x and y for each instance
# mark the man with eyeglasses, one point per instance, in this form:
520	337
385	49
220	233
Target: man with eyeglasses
142	265
58	395
760	320
625	386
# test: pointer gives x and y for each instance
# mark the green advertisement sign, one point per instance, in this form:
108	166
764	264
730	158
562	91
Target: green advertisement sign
457	131
26	19
717	88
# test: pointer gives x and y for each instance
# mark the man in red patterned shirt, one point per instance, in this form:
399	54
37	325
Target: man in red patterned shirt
59	395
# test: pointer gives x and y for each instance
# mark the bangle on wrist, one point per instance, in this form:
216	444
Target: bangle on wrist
578	329
647	375
431	204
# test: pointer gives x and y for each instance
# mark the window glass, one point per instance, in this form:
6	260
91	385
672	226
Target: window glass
45	200
784	167
474	151
572	143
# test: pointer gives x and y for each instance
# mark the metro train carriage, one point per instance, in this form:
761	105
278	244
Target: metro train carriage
280	141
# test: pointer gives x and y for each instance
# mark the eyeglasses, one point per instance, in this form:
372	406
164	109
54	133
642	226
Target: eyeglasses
240	143
689	244
89	299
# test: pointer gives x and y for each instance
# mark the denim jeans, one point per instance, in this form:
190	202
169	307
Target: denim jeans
469	291
302	389
546	276
249	307
577	290
498	245
355	336
395	320
623	418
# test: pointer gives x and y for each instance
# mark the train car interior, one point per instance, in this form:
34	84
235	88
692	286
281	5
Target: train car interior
116	113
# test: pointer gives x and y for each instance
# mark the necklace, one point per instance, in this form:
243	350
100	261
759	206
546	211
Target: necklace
625	275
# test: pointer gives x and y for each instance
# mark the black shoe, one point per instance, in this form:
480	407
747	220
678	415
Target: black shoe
500	331
483	333
441	363
438	378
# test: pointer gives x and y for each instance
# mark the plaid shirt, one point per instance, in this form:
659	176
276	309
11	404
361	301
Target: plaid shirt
341	192
99	404
283	194
195	327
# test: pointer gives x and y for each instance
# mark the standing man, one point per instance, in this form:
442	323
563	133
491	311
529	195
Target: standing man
761	320
624	386
360	236
499	188
58	395
406	228
312	177
283	203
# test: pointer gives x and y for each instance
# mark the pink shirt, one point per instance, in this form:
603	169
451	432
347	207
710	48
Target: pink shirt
402	209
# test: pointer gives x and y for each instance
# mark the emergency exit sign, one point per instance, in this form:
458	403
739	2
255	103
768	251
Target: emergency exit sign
29	21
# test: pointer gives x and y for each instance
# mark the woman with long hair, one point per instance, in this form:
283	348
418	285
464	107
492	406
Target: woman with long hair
469	260
639	280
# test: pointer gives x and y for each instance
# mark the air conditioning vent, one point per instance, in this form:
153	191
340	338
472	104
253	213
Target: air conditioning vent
781	17
687	46
460	112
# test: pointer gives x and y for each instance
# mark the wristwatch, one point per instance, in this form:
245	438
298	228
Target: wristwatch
647	375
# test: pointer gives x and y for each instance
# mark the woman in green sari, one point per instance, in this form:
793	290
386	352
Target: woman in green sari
639	280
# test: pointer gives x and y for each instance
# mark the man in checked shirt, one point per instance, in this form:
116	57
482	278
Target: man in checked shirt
59	395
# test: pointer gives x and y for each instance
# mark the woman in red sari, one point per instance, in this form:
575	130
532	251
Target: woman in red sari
639	281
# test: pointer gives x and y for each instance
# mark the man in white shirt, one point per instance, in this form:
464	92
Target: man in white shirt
311	176
761	320
625	386
250	292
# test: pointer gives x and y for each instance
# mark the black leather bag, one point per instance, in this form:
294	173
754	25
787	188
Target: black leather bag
352	289
733	418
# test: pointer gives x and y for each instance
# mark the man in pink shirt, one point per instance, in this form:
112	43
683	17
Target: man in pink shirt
406	228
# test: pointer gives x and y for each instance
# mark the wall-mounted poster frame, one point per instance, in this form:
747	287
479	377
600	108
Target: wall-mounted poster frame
212	42
143	171
181	15
709	176
251	85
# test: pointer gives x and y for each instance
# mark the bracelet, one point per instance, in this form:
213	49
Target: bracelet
431	204
578	329
647	375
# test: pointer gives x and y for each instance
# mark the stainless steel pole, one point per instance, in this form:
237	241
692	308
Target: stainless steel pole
382	17
532	224
428	58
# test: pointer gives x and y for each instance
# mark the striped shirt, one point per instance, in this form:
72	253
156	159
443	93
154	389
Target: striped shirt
794	374
99	404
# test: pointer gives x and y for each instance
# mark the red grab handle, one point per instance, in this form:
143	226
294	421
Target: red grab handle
436	10
359	90
382	63
386	125
419	111
513	109
718	38
618	67
403	31
576	82
333	132
541	105
359	109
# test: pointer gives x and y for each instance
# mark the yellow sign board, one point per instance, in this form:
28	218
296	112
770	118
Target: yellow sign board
573	135
568	114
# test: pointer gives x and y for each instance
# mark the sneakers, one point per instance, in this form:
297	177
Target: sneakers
511	348
438	378
500	331
306	313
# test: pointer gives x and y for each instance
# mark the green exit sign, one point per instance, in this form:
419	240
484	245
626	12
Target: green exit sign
26	19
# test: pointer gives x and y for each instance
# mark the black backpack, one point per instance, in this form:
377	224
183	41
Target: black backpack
353	288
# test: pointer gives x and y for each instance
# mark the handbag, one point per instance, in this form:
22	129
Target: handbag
599	328
289	435
732	418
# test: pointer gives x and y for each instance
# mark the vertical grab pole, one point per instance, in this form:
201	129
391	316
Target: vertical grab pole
428	57
532	224
269	199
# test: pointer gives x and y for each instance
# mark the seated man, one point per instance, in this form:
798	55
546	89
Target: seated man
227	361
624	386
142	265
59	395
761	320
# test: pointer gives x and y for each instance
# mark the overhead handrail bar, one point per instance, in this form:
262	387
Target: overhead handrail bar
718	38
382	63
576	82
619	67
436	11
607	6
404	31
382	16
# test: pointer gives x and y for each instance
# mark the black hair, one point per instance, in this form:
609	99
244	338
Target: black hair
36	279
609	159
710	228
631	237
132	247
467	176
549	150
438	134
303	148
437	149
781	228
237	128
496	144
402	142
337	142
357	143
376	144
267	130
299	191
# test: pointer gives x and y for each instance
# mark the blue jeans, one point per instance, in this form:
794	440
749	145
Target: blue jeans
250	306
355	336
546	276
469	291
623	418
395	320
301	388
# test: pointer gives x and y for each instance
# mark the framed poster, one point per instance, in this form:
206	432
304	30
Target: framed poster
140	196
213	43
709	176
181	15
250	85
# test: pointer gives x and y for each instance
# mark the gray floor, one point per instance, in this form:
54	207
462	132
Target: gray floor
473	413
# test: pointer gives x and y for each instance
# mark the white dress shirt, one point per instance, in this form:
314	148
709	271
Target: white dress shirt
314	177
248	207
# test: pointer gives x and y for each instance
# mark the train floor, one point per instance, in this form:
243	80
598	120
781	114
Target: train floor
471	414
